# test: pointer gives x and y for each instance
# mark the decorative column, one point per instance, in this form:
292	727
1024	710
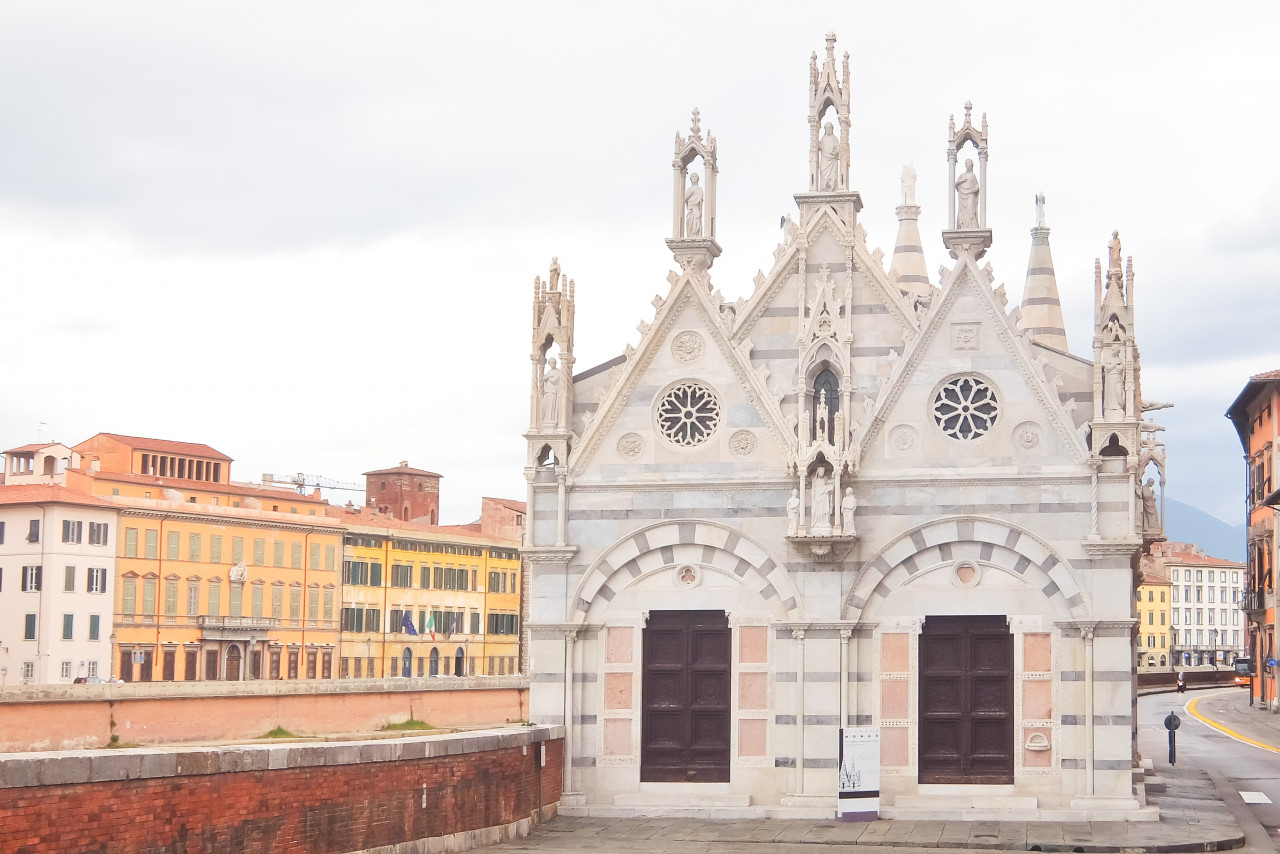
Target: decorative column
562	510
798	636
570	637
677	195
1094	465
845	637
1086	634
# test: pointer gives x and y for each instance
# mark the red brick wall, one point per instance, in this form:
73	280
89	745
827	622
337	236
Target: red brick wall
325	808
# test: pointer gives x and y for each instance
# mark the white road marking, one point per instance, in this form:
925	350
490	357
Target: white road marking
1255	798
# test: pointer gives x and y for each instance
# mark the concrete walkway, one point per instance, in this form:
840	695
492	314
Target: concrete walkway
1192	818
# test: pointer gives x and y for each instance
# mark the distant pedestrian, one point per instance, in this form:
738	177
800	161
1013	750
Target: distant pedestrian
1182	683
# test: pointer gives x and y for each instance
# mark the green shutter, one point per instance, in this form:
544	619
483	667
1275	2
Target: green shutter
130	542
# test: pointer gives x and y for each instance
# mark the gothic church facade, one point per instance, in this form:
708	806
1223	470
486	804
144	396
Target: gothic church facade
860	498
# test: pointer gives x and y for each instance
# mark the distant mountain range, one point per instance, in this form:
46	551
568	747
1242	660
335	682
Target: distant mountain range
1187	524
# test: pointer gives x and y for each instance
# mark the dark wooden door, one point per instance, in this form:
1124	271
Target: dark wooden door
684	730
170	661
966	700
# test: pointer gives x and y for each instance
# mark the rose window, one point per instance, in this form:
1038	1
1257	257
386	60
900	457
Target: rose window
966	408
688	414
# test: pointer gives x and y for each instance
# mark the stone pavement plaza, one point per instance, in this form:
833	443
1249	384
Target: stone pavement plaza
1193	817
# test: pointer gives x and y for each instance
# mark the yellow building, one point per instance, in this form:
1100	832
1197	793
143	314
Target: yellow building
427	600
215	580
1154	624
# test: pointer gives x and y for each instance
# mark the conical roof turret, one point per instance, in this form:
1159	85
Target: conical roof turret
908	252
1041	308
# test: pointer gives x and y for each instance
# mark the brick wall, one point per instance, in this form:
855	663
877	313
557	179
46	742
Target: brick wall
70	717
333	798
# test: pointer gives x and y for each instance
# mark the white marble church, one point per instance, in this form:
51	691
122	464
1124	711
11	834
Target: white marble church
862	502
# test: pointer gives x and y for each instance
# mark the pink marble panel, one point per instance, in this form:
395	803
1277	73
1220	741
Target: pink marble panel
895	653
753	645
1037	653
894	751
617	690
753	690
893	699
617	648
617	737
751	738
1037	700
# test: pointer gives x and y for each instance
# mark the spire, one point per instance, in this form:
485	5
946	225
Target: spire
912	274
1041	308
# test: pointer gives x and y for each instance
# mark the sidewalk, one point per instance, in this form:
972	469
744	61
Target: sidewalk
1192	818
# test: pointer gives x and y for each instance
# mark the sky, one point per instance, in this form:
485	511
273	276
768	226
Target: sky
306	234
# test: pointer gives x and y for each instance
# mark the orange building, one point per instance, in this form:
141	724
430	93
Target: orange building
216	580
1254	415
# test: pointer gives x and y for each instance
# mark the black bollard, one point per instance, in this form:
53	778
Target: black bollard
1172	723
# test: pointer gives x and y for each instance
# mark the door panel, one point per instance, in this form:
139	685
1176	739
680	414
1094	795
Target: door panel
685	697
966	700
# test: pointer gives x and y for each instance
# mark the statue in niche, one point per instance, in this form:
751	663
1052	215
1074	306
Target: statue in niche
821	431
847	505
1149	518
1113	332
820	508
1040	210
828	160
909	184
548	409
967	189
553	279
1113	251
693	208
1112	383
793	513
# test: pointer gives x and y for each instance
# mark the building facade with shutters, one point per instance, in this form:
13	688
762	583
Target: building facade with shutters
427	600
57	581
860	501
216	580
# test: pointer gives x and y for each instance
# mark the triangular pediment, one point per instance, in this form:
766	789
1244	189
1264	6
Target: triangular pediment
688	342
969	392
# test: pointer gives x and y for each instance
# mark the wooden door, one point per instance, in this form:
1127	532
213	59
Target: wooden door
966	700
145	670
170	662
684	730
233	664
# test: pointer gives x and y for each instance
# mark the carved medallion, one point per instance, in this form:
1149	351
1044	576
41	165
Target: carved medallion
687	346
902	438
966	574
687	576
688	414
964	336
630	445
966	408
1027	436
743	443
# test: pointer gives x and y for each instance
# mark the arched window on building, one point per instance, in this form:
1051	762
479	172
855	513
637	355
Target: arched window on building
826	402
435	662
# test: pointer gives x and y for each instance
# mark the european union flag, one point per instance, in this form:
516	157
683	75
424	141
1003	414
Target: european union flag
407	624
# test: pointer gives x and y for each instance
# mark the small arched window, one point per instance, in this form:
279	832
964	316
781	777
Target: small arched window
435	662
826	403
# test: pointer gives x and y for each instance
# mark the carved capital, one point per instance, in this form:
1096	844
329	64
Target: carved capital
797	634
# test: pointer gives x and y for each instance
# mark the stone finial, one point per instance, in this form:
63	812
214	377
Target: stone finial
695	126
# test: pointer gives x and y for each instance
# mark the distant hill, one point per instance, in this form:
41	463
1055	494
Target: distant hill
1187	524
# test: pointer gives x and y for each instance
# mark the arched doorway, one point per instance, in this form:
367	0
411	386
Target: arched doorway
233	663
459	659
435	661
406	662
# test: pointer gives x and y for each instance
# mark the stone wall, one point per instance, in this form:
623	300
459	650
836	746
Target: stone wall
460	791
71	717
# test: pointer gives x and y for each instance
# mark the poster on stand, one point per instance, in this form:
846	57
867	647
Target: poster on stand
859	795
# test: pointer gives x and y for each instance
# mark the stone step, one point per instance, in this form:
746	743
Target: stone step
682	799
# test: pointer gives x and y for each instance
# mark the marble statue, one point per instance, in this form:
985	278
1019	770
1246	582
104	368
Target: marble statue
1112	384
693	208
967	198
820	507
1040	210
1113	251
847	505
909	184
793	513
828	160
1150	517
553	280
548	410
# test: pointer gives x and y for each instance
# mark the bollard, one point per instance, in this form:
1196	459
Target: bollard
1172	723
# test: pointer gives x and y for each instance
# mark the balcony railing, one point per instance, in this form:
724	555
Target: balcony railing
238	623
1252	600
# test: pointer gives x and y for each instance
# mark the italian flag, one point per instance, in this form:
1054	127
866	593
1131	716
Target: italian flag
431	624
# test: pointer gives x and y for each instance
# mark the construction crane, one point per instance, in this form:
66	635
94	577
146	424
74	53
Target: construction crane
303	482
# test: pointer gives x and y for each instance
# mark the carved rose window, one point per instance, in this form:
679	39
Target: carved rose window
688	414
966	408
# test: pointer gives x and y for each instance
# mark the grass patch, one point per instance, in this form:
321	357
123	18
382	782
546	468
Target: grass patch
411	724
115	743
279	732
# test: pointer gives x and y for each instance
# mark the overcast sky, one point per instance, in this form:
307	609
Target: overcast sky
306	234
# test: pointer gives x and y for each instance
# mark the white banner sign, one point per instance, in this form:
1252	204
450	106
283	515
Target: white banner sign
859	774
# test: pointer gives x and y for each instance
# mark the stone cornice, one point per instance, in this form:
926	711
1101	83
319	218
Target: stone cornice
1116	546
784	482
548	554
233	521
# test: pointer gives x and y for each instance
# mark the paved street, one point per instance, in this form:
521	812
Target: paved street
1201	810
